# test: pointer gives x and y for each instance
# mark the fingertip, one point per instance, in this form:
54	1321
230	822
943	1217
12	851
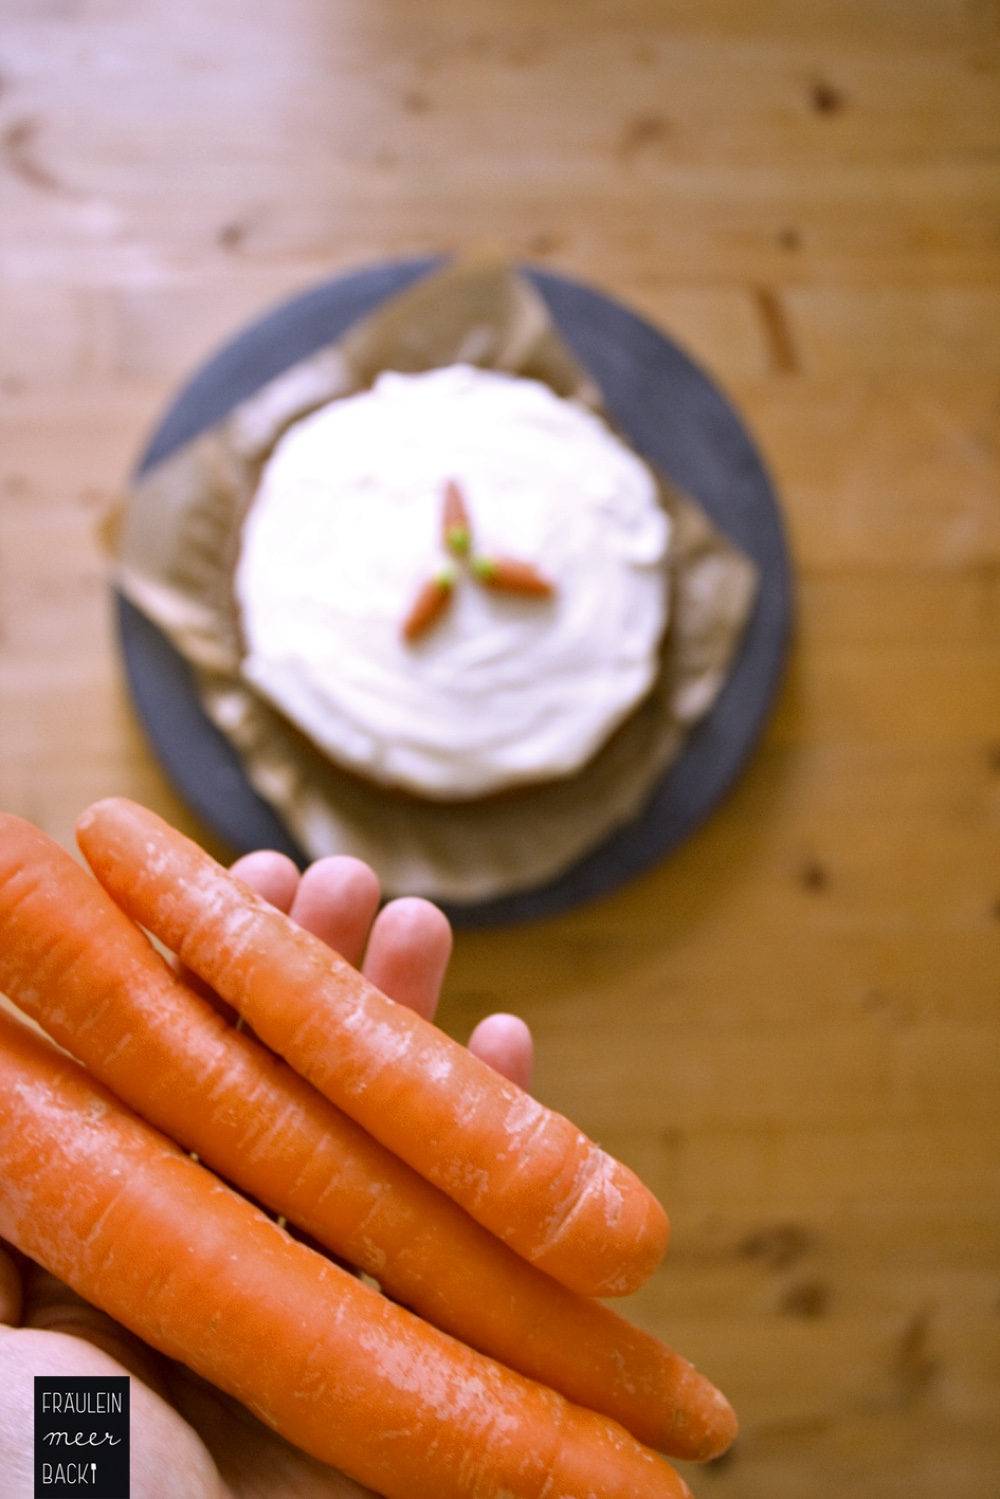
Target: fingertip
505	1043
272	875
336	900
413	920
408	953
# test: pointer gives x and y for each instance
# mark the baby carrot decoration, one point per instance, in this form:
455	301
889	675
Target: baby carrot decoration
111	1207
521	1170
430	603
78	966
504	574
456	527
511	575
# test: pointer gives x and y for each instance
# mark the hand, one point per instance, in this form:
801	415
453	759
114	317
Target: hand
190	1441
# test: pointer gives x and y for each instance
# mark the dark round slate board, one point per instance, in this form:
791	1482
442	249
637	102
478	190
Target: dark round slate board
671	412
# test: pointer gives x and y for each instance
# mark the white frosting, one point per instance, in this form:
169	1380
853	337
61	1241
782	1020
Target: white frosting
502	690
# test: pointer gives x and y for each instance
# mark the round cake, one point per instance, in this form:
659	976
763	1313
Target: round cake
453	583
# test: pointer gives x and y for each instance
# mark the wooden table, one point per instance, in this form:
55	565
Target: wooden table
789	1027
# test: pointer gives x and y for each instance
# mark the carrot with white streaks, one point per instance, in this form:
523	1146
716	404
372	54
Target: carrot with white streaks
113	1208
523	1171
76	964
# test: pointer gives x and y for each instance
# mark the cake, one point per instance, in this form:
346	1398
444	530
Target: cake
453	583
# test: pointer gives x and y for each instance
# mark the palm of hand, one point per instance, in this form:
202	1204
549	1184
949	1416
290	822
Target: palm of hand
189	1441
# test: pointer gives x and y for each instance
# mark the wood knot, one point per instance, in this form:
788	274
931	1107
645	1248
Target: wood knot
825	99
17	145
642	132
814	876
806	1298
232	236
914	1363
777	1245
545	242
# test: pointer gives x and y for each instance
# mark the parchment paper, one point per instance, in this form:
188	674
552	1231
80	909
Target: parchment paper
179	539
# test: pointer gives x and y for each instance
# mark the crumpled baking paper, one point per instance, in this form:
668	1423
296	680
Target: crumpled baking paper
177	545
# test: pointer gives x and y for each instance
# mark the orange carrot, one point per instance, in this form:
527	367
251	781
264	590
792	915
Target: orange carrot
431	601
74	962
521	1170
510	575
456	526
137	1228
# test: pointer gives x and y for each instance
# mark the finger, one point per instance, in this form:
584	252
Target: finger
337	900
168	1459
408	953
504	1042
272	875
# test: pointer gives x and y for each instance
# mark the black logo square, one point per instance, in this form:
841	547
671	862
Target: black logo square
82	1436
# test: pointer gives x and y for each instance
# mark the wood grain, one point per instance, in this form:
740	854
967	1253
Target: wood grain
790	1027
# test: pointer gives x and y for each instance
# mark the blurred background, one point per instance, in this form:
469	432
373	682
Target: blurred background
789	1027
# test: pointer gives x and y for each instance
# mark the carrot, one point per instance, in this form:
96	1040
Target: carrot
117	1211
518	1168
511	575
431	601
74	962
456	526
